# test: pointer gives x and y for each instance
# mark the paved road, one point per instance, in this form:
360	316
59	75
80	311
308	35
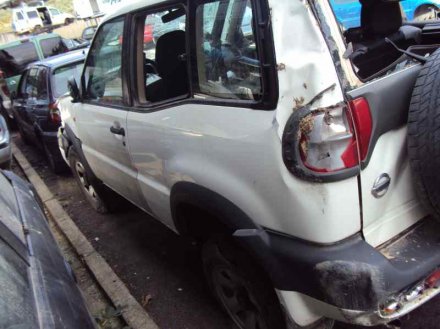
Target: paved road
157	265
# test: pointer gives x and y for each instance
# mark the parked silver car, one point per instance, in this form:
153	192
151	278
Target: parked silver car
5	144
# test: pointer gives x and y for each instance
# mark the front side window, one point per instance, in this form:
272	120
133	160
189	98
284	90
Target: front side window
102	76
53	46
227	54
54	12
20	16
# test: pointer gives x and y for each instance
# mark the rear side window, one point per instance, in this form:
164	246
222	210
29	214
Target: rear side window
61	75
16	298
53	46
13	60
32	14
227	57
19	16
41	84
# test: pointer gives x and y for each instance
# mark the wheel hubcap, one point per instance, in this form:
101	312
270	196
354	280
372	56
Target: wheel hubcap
81	172
237	299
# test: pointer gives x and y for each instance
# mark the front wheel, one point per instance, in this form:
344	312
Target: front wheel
88	189
242	289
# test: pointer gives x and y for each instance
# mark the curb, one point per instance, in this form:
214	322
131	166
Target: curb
132	312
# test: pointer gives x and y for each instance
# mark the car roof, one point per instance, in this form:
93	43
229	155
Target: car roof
29	39
63	59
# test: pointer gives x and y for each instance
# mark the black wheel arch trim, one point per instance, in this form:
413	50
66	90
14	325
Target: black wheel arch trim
230	215
76	144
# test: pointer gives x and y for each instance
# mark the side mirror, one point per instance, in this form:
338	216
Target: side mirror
74	90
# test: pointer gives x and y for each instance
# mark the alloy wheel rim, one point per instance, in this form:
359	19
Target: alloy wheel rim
84	183
237	299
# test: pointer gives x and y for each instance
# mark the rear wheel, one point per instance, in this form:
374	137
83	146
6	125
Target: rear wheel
38	29
242	289
84	181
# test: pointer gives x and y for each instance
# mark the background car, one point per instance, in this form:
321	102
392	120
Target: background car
16	55
5	145
35	107
348	11
39	289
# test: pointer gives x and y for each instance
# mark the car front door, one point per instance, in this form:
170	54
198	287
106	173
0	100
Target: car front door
101	118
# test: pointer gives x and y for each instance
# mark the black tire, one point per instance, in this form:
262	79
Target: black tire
55	161
242	289
88	187
424	134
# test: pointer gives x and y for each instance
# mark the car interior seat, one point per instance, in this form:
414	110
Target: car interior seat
380	19
171	67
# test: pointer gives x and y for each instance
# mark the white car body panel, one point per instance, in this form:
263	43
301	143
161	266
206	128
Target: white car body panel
191	142
104	151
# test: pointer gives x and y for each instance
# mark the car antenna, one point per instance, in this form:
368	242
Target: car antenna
419	58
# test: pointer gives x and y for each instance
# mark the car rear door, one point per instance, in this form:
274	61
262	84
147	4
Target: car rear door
101	119
26	100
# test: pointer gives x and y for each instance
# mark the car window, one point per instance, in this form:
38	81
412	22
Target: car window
16	297
102	76
227	55
30	88
13	60
54	11
41	84
61	75
53	46
163	55
32	14
348	12
19	16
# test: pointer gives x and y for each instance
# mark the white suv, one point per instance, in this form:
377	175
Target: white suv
279	145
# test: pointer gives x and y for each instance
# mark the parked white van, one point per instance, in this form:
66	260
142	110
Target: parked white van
28	19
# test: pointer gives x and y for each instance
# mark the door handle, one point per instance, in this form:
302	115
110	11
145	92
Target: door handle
117	131
381	185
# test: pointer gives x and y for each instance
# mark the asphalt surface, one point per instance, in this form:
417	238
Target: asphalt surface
161	269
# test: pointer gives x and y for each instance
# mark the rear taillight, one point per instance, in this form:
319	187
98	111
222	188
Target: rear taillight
329	140
54	113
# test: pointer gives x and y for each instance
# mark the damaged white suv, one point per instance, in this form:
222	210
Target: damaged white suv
280	142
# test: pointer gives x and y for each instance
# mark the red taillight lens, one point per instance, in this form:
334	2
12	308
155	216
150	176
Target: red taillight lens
336	138
360	111
54	113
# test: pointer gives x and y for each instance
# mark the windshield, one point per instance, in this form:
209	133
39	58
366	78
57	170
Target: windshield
13	60
61	75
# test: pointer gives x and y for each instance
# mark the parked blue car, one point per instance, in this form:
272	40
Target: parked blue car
348	11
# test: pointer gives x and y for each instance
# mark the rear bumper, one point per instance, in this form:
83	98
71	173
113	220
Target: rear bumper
351	276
